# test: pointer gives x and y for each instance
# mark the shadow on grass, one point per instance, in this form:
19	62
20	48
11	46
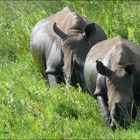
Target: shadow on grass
65	111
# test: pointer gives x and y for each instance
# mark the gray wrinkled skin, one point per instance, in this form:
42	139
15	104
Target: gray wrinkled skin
59	45
112	75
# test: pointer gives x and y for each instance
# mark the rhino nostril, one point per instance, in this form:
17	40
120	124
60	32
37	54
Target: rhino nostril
121	115
118	112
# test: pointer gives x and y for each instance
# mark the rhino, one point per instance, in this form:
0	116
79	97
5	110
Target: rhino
112	76
59	45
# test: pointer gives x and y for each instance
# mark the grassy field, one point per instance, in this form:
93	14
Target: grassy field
29	109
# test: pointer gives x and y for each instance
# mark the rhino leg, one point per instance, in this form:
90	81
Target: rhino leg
53	65
52	80
104	109
100	93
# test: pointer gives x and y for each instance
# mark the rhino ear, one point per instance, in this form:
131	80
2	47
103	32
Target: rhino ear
90	29
130	69
103	70
59	32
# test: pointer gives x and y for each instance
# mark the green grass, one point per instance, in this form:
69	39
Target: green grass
29	109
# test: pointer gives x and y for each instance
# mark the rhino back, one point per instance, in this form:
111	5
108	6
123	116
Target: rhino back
46	45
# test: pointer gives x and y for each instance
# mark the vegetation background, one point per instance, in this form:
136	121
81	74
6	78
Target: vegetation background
29	109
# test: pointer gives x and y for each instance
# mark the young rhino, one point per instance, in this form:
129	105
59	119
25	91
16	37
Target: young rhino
112	75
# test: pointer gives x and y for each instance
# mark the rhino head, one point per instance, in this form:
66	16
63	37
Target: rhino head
75	47
119	84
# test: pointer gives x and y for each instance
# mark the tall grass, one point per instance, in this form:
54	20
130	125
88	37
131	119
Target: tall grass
29	109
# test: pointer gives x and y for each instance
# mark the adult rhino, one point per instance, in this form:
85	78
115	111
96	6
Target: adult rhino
60	43
112	75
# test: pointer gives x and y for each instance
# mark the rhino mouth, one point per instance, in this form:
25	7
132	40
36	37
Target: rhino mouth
122	116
